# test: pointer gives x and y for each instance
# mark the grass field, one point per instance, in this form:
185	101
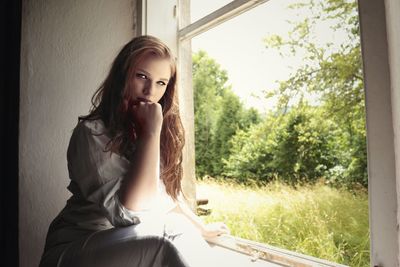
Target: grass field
315	220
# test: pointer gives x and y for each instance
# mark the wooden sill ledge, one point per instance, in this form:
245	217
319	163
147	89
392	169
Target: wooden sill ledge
266	255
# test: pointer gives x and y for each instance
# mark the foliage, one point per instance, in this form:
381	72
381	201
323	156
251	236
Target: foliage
252	153
208	84
219	113
331	71
296	146
303	146
316	220
296	142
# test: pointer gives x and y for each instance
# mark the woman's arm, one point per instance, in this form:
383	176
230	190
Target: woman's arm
206	230
140	184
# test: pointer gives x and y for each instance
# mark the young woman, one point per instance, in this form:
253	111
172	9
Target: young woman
124	162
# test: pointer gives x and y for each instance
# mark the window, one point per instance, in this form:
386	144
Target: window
170	20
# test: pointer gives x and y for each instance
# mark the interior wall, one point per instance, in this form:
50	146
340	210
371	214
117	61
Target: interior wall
392	8
66	50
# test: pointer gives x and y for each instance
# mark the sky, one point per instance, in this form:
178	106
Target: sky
237	45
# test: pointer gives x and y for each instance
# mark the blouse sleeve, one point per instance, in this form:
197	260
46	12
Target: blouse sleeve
98	173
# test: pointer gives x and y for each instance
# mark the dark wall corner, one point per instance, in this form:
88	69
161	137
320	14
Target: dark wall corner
9	105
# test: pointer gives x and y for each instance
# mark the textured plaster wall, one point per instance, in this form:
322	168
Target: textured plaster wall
66	50
393	29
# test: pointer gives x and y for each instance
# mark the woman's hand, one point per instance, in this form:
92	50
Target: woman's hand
214	229
148	117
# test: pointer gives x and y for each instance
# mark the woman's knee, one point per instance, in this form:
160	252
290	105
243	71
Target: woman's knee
133	251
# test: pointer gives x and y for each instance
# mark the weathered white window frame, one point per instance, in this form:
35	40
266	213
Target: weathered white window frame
170	21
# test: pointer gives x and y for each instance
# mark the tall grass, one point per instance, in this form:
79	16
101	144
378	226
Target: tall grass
316	220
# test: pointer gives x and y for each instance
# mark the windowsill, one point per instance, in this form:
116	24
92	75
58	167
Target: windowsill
258	254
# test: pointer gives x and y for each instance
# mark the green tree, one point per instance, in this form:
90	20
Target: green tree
208	85
303	145
294	146
229	121
219	113
333	72
251	152
249	117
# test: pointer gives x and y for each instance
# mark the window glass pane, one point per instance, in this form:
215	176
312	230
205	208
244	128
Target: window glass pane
201	8
315	140
237	45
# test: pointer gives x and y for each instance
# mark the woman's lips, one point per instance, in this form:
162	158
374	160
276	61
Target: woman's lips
143	99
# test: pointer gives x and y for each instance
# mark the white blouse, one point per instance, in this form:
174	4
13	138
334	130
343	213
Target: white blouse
96	177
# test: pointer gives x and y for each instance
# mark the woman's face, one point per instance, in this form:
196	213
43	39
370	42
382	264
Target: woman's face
151	79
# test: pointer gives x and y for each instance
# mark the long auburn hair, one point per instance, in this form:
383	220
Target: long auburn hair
111	104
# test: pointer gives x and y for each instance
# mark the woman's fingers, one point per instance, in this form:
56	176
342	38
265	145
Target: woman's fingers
217	229
148	116
224	229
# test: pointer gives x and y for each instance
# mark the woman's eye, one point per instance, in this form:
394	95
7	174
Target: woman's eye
162	83
142	76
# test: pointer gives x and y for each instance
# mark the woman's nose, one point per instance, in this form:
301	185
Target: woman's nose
148	89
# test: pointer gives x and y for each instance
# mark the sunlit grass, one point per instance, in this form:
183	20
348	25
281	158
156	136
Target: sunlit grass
316	220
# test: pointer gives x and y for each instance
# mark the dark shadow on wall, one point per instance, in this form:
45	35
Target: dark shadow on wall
9	103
